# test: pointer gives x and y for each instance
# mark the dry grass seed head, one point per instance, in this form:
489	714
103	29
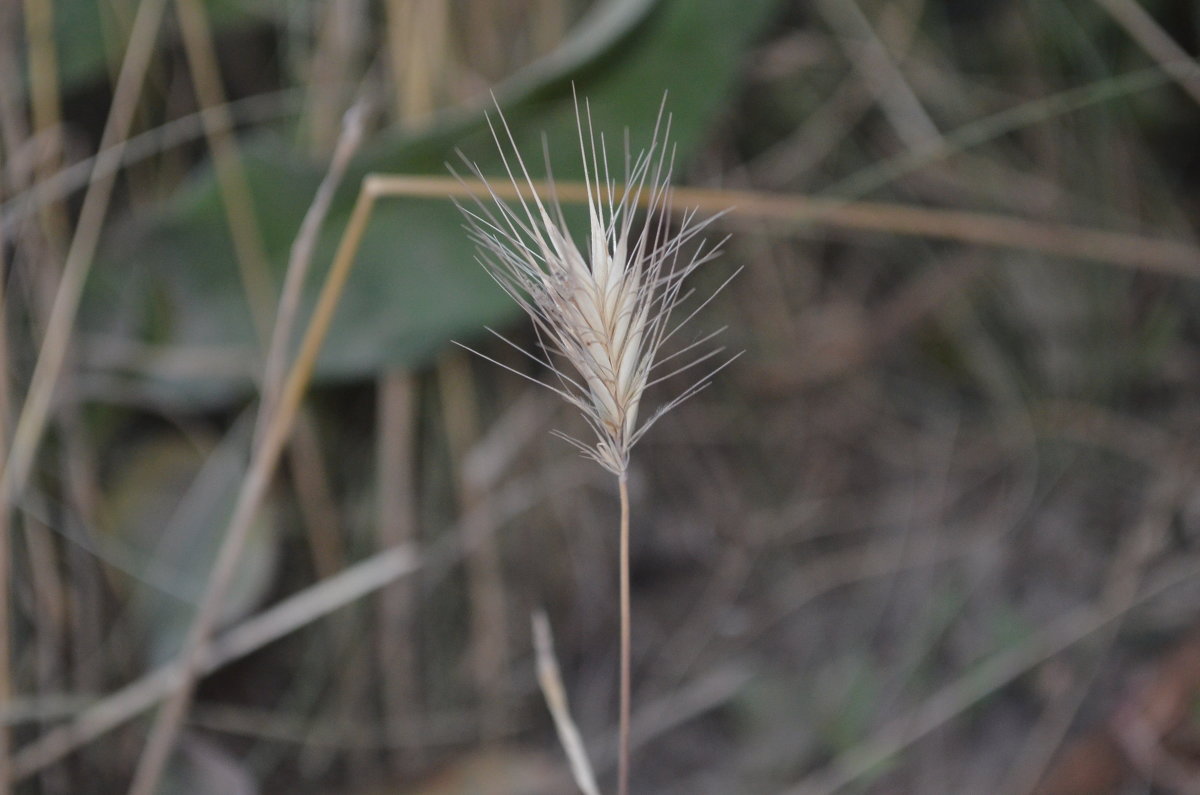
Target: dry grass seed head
606	309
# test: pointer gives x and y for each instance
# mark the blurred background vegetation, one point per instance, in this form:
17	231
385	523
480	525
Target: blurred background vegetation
936	531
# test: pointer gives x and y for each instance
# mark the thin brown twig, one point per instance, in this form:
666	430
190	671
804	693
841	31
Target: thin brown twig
250	252
881	74
311	482
55	187
32	419
318	508
1173	257
300	257
991	674
12	111
340	31
417	35
50	611
1126	572
1157	43
6	589
76	458
45	104
236	197
52	355
484	569
550	681
154	757
291	614
262	466
397	525
249	249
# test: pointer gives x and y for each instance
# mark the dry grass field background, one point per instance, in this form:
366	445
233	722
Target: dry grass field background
266	528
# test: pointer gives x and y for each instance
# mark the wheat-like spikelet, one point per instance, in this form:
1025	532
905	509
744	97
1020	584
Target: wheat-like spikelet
606	309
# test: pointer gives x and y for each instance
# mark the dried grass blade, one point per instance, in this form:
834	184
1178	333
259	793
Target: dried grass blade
556	701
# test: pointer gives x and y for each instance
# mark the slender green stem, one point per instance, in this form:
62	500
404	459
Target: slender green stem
623	730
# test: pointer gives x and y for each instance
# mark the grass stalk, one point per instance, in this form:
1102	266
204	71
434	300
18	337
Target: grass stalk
294	612
1157	43
983	680
867	53
489	641
236	197
31	421
46	108
419	56
1141	252
339	41
55	187
77	458
289	615
317	506
301	254
396	525
53	351
626	633
550	681
6	589
278	427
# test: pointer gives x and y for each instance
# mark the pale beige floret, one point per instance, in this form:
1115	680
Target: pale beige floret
606	313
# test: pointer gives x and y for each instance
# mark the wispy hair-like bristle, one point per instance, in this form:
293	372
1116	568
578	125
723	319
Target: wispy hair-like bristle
604	310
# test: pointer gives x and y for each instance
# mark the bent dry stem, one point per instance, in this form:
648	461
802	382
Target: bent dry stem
277	421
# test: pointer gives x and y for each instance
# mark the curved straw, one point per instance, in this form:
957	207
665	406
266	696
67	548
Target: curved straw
1162	255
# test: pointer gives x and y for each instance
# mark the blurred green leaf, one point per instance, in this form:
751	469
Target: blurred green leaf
162	513
86	31
416	284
